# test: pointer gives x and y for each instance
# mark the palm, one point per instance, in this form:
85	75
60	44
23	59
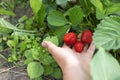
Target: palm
66	56
86	54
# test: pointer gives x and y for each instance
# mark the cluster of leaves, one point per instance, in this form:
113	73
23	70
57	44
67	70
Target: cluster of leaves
51	20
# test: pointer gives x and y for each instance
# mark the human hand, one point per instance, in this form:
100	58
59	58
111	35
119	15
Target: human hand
68	58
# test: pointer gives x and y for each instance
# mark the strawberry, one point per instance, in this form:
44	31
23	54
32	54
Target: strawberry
70	38
78	46
86	36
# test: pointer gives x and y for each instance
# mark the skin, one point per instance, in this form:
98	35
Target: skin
74	65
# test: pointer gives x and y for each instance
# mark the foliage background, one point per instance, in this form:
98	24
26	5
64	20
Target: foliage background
24	24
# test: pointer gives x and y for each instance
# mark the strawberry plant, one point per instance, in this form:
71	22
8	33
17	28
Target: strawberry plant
23	31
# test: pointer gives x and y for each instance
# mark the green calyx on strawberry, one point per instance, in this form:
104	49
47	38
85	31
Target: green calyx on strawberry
70	38
86	36
78	46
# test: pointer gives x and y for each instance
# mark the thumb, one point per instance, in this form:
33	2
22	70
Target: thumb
52	48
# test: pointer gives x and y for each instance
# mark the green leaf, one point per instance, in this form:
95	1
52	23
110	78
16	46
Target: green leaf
39	78
100	14
22	46
23	18
35	69
29	23
86	6
53	39
48	70
56	18
116	1
28	54
35	53
114	8
36	5
41	15
5	27
98	4
11	43
15	38
50	5
28	60
59	2
6	12
76	15
107	3
105	66
60	32
46	59
57	73
107	33
54	64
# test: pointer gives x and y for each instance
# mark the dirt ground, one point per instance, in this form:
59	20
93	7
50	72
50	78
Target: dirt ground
8	72
13	72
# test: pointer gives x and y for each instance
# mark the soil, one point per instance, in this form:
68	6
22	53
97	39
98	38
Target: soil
8	72
11	73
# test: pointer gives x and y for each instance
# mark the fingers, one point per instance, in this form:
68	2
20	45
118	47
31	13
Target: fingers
65	46
85	48
52	48
79	35
91	49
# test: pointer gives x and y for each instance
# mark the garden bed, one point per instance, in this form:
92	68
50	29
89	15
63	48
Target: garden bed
24	24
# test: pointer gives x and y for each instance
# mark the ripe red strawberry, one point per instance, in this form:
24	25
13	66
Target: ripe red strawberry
78	46
86	36
70	38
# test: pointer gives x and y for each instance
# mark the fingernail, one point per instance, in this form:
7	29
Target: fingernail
43	44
